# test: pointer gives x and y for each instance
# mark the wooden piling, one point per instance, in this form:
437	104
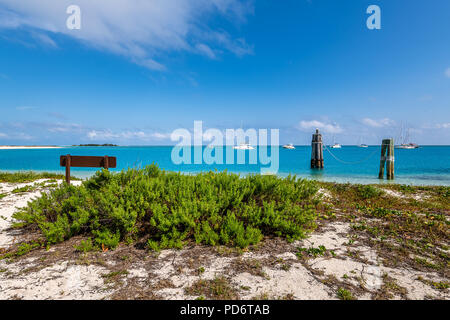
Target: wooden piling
387	159
68	169
316	151
390	160
106	163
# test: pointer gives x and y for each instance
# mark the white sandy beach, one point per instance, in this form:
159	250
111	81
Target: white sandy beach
28	147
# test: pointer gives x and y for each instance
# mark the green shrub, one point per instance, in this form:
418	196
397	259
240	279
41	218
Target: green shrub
314	252
368	191
85	246
344	294
23	189
24	248
168	209
406	188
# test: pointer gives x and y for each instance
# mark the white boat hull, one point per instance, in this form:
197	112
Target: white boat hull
244	148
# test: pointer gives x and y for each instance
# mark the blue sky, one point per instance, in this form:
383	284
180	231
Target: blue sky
137	70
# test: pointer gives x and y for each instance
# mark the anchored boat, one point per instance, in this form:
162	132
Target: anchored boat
407	146
244	146
289	146
404	136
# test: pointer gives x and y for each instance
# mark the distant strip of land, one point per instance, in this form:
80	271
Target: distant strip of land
28	147
96	145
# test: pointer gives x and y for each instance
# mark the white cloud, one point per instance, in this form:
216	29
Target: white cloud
23	136
160	136
94	134
125	135
445	125
386	122
25	108
16	136
325	127
44	39
447	72
142	31
60	128
205	50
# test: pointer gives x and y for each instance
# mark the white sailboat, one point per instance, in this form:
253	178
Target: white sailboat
289	146
244	146
407	146
362	145
404	137
335	145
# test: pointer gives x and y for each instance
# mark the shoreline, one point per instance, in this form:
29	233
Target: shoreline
357	180
29	147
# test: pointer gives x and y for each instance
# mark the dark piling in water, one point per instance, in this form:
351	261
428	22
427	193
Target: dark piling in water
387	159
316	151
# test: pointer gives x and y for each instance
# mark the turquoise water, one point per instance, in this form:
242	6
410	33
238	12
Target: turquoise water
429	165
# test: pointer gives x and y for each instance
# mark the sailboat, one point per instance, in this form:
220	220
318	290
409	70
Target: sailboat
404	137
289	146
335	145
362	145
244	146
407	146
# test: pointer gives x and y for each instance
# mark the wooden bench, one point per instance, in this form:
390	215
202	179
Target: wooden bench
86	162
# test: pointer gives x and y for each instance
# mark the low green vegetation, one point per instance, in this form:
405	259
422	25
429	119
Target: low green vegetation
407	227
439	285
22	249
29	176
314	252
167	209
344	294
368	191
114	274
3	195
411	198
218	288
23	189
85	246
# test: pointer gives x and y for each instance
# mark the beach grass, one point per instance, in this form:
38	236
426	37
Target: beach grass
167	209
29	176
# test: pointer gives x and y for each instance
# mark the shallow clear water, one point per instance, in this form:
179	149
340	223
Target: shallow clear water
429	165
